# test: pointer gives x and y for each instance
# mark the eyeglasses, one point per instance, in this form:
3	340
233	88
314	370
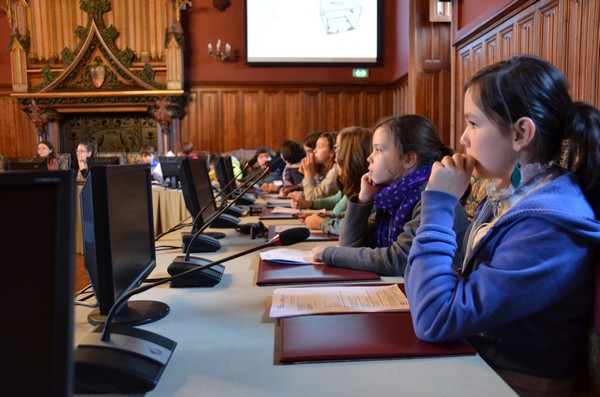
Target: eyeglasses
81	151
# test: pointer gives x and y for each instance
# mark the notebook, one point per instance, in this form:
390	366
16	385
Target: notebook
356	336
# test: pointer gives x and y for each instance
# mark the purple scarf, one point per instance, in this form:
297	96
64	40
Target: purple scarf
396	202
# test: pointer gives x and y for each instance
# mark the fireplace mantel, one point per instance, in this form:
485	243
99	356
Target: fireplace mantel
99	57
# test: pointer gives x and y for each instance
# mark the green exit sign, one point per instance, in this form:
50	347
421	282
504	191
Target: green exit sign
360	73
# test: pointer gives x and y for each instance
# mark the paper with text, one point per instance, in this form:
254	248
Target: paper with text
289	256
299	301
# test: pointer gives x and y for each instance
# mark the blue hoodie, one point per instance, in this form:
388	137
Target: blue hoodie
524	297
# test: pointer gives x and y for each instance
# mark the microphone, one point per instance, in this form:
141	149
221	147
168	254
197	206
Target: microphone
186	264
130	359
183	266
272	165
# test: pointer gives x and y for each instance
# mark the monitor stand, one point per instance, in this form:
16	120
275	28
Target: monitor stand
134	313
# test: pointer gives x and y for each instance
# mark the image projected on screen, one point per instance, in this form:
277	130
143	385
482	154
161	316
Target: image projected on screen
118	240
312	31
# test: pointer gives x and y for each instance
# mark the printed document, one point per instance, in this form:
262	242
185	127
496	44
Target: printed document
299	301
289	256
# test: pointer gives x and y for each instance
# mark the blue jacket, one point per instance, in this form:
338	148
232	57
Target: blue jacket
524	297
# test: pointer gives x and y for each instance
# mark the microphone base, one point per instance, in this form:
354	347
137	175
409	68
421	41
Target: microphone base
208	277
131	362
244	200
202	243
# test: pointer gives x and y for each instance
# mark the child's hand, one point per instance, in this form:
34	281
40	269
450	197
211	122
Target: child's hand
367	189
452	174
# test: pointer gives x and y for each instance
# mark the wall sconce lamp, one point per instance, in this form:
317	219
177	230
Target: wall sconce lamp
218	53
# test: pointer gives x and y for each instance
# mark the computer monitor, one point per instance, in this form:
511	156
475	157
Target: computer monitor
169	166
27	164
107	160
224	174
197	191
226	177
38	262
118	240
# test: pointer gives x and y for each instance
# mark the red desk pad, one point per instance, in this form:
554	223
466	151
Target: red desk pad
273	273
356	336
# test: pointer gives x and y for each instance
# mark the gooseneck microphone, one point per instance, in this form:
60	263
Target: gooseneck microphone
181	267
272	166
131	360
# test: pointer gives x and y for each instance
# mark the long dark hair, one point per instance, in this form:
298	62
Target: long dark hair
414	133
351	157
526	86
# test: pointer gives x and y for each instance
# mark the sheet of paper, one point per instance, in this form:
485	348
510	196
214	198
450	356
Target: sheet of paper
299	301
289	256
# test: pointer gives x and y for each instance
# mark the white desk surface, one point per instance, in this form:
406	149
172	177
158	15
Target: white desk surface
225	343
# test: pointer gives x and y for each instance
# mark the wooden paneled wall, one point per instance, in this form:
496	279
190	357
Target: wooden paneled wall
220	118
17	134
564	32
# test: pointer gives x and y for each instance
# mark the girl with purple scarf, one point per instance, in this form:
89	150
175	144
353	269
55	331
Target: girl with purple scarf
404	148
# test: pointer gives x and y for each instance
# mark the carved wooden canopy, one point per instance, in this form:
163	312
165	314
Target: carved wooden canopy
97	56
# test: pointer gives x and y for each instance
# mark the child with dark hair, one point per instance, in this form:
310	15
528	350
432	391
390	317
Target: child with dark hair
187	149
523	296
353	146
403	151
292	153
260	161
147	156
45	149
320	175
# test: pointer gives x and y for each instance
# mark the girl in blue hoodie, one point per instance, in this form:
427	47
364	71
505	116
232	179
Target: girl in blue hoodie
523	296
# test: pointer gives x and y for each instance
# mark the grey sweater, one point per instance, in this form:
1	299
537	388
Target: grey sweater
358	248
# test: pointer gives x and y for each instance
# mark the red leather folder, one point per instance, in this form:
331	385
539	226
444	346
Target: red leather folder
356	336
270	272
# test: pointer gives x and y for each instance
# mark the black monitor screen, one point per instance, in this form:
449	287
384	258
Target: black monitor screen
118	239
169	166
27	163
224	173
38	261
108	160
197	190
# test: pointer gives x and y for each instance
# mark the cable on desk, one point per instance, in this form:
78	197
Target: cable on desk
167	247
178	226
90	305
